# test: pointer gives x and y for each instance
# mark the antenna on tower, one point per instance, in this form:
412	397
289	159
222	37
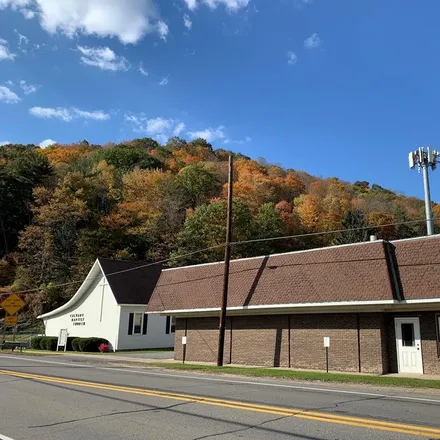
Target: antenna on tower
423	160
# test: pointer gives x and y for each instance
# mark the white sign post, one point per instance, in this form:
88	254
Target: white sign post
326	345
62	339
184	349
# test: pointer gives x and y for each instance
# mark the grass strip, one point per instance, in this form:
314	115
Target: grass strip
387	381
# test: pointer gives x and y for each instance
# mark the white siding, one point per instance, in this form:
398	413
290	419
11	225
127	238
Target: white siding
90	307
156	336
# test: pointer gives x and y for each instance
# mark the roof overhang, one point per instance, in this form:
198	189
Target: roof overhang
95	273
330	307
133	305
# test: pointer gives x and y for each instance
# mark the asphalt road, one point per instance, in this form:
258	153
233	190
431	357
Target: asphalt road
58	398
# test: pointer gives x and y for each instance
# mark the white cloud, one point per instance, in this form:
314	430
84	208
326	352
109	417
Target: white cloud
8	96
142	70
22	39
27	13
246	140
67	114
191	4
14	4
28	88
158	125
4	143
291	58
164	81
187	21
127	20
312	42
5	53
231	5
178	129
159	128
210	134
163	30
47	143
103	57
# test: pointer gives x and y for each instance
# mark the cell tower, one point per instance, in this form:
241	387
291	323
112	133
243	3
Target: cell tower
423	160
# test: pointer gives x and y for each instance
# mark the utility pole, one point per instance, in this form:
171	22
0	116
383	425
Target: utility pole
423	160
222	323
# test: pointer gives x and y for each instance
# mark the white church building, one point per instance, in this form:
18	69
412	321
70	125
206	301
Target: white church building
111	304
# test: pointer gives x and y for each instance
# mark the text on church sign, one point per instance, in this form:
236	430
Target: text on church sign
78	318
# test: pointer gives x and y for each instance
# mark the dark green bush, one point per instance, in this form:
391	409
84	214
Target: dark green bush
42	343
75	344
69	343
35	342
50	343
91	344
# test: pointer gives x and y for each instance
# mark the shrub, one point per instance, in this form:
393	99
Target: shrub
91	344
50	343
35	342
69	343
75	344
42	343
103	348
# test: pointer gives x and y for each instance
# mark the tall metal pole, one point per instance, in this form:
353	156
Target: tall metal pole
424	160
222	323
428	208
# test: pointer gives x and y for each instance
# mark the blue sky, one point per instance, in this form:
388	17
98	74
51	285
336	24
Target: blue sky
334	87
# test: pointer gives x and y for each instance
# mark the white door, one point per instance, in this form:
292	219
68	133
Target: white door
409	349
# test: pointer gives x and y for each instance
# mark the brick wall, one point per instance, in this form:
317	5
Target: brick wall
307	347
202	339
373	343
428	330
260	340
264	340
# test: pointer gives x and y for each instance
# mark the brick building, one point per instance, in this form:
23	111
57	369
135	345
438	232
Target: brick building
378	302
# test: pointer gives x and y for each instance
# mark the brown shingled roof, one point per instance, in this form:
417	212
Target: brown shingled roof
357	272
419	260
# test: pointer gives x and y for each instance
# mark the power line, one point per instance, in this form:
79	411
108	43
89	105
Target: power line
336	231
258	240
22	292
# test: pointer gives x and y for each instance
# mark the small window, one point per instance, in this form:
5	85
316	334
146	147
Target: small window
170	326
408	339
137	324
145	324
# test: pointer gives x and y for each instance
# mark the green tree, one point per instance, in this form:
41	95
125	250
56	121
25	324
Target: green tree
404	230
22	168
147	144
176	143
125	158
199	182
205	227
355	231
269	224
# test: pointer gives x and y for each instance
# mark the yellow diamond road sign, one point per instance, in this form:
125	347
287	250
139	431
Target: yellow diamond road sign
10	320
12	304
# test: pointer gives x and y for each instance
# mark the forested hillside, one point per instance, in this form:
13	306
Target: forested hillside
63	206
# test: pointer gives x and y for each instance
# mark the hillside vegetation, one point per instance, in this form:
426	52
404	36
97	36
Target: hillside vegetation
63	206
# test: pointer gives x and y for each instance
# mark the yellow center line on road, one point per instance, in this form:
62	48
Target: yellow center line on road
424	431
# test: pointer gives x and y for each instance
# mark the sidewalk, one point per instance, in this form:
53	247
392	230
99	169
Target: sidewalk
161	357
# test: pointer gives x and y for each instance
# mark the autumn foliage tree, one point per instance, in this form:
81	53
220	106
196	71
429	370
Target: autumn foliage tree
65	205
